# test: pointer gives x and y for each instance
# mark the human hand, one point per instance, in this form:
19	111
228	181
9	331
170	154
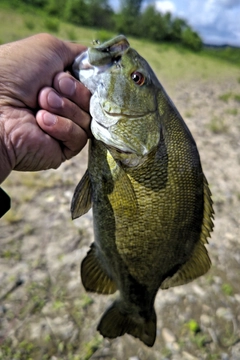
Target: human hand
32	76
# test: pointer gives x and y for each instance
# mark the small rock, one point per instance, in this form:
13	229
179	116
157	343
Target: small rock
170	340
224	356
205	320
175	347
37	329
191	298
60	327
168	336
188	356
235	352
237	297
50	199
206	308
217	280
199	291
133	358
224	313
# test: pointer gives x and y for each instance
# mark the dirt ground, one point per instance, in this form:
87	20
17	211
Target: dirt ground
45	312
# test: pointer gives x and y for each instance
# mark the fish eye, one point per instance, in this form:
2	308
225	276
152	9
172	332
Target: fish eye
138	78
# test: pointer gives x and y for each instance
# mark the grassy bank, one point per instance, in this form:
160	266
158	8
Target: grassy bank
170	62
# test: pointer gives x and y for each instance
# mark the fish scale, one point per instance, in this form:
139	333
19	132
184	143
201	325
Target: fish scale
152	207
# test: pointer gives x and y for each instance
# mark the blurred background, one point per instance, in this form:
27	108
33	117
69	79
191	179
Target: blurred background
45	312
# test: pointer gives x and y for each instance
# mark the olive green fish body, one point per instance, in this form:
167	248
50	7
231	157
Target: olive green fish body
152	207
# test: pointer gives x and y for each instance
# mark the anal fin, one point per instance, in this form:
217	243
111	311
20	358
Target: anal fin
94	278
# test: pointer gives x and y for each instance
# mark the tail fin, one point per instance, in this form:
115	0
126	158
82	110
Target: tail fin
113	324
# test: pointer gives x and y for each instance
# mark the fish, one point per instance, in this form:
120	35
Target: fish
151	202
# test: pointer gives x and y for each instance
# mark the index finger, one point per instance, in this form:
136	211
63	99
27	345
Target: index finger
69	87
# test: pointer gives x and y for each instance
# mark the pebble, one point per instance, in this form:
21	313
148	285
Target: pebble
236	352
224	313
168	336
199	291
237	297
61	327
205	320
187	356
170	340
225	356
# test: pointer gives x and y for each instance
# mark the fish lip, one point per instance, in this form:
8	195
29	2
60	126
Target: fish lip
80	63
83	61
83	64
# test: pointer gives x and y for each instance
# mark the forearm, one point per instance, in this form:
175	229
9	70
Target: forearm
5	170
5	164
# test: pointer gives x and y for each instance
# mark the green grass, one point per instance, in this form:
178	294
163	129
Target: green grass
229	95
170	62
229	54
225	97
227	289
236	97
217	125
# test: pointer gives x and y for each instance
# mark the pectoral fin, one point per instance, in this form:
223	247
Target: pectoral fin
94	278
81	201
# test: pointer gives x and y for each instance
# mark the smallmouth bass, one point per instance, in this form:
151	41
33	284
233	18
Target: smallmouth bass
152	207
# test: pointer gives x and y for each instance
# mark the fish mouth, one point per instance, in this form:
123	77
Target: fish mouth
83	69
95	61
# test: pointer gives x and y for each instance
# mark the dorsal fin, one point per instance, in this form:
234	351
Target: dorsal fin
208	213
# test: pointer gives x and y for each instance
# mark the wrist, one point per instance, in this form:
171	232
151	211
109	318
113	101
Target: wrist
5	163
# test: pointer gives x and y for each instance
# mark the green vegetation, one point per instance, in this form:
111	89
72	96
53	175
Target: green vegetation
236	97
225	97
193	326
217	125
131	21
64	18
227	289
229	95
233	111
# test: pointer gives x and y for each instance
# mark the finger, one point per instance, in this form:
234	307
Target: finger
73	89
70	50
51	101
72	136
